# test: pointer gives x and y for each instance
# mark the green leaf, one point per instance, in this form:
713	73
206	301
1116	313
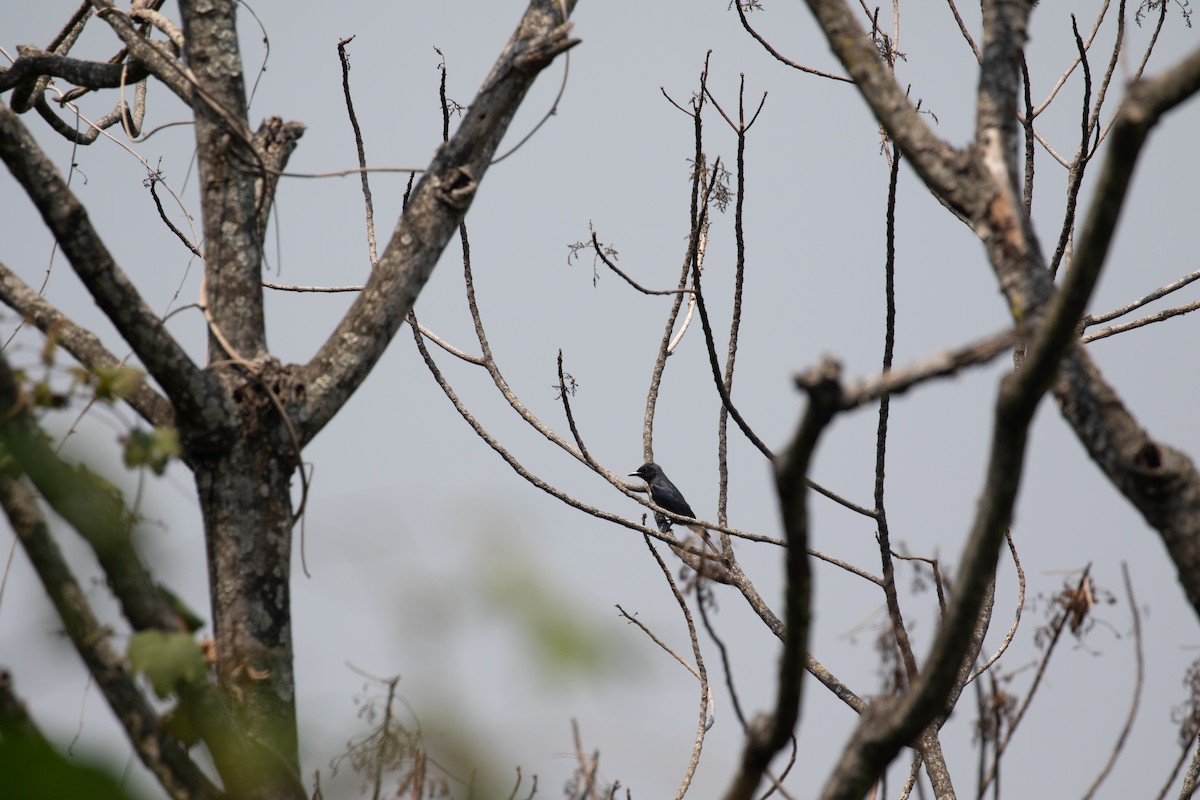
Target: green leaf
33	770
91	505
153	449
116	383
167	660
182	721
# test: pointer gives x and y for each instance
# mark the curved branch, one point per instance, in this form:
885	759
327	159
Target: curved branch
1161	482
1012	629
741	12
1139	682
1108	316
707	706
79	342
943	168
433	213
33	64
154	56
1141	322
196	395
766	735
887	726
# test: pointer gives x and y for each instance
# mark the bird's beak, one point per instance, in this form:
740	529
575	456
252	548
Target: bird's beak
634	475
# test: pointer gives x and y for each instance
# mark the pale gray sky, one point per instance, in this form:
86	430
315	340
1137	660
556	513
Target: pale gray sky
415	527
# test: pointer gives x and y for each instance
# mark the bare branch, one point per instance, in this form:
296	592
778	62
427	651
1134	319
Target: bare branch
362	153
887	726
1138	682
194	393
882	533
1183	754
284	287
1078	164
1012	629
433	213
1190	777
1150	319
517	466
1160	481
962	27
947	363
767	734
709	340
737	4
608	262
1056	630
707	706
79	342
154	56
1062	79
1108	316
941	167
34	63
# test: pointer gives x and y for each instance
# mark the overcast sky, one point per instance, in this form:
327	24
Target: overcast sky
430	557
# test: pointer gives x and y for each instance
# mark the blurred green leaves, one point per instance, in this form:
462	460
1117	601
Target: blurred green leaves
88	502
108	383
153	449
168	660
563	641
33	770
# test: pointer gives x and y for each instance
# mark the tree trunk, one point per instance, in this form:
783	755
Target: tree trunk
245	496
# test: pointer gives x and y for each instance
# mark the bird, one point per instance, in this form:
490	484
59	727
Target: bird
664	494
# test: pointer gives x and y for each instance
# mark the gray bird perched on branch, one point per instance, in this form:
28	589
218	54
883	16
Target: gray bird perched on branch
664	494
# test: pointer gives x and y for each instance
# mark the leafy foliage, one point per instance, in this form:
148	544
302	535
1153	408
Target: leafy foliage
153	449
167	660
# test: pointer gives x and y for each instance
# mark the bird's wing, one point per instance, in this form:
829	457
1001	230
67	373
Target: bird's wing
664	494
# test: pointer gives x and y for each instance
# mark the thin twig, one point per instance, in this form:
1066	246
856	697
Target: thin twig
936	568
1012	629
1095	319
1143	321
737	4
1078	164
1174	773
564	395
550	112
914	770
154	181
288	287
362	153
707	706
714	364
1138	683
609	263
740	129
726	664
946	363
1056	632
660	360
882	536
1074	63
962	27
1105	82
